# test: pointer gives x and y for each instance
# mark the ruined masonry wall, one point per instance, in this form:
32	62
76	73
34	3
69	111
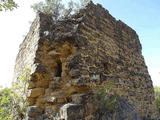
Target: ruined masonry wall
72	58
113	52
27	50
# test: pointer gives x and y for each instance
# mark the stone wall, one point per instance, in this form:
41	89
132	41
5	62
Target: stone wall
72	58
27	50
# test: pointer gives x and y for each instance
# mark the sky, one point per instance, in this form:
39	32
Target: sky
142	15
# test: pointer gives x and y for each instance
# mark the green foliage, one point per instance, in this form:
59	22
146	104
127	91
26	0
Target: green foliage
6	104
80	4
20	91
13	103
7	5
106	99
157	96
57	9
51	7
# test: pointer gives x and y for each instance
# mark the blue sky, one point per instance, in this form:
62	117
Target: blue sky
142	15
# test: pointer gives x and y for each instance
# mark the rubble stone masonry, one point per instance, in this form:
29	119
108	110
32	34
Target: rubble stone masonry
72	58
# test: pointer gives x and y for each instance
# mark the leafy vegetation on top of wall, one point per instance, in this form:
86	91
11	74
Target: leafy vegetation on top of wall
58	9
13	103
157	96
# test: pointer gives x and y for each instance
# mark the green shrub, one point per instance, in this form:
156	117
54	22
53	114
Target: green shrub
157	96
13	103
6	104
106	99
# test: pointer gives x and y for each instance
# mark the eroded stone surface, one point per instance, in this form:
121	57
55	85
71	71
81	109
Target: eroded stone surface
125	111
73	58
36	92
72	112
34	111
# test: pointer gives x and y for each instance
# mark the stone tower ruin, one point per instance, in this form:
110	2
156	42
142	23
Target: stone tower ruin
72	58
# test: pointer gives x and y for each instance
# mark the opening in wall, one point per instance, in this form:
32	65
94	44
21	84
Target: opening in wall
59	69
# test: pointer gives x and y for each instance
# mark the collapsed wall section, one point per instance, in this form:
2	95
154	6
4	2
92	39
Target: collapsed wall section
72	58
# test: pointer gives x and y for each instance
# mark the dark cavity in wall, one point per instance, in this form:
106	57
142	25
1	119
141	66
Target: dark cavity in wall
59	69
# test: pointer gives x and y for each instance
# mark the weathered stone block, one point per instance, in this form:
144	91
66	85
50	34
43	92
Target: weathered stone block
40	100
31	101
36	92
42	83
79	98
72	112
74	73
126	111
48	91
34	111
31	85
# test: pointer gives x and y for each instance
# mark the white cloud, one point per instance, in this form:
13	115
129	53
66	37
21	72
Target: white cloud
153	64
13	25
155	75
